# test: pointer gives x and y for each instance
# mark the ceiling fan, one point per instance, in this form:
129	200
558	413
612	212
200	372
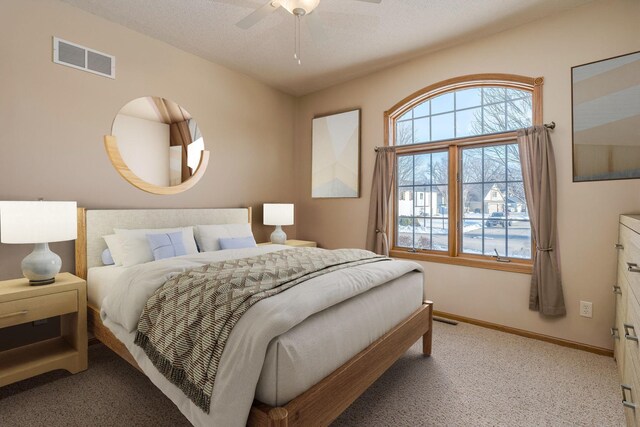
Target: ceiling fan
298	8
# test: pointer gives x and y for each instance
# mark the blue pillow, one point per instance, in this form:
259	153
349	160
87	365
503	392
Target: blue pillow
107	259
166	245
237	242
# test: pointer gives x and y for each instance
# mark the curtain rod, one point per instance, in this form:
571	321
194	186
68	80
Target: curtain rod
551	126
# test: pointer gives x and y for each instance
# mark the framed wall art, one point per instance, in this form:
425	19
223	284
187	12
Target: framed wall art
335	162
606	119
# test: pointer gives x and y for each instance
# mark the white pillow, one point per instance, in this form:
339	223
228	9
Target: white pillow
113	243
135	247
207	235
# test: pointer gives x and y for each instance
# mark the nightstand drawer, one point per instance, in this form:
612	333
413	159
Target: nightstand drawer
35	308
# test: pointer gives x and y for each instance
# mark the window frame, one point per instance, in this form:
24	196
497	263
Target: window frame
454	254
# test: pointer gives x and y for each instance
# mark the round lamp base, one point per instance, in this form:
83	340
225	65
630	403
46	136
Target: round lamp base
41	265
278	236
42	282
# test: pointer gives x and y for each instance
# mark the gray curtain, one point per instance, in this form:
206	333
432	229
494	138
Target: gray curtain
384	174
539	175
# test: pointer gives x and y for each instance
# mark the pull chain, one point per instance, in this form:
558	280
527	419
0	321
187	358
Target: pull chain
295	39
298	55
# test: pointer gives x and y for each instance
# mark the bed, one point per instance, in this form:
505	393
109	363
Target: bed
297	384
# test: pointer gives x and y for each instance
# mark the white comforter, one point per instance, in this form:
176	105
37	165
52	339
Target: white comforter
246	347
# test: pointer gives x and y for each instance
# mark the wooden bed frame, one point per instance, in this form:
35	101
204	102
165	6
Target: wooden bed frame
326	400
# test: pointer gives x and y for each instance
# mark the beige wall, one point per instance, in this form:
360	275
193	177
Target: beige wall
588	212
54	117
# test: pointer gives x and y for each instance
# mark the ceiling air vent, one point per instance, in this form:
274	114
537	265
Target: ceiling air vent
83	58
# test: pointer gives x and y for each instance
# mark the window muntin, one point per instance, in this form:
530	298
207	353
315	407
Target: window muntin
483	115
494	209
464	113
422	201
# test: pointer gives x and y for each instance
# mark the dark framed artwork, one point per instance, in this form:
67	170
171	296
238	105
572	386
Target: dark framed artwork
606	119
335	160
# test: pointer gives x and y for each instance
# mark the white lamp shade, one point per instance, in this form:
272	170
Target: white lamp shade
278	214
38	222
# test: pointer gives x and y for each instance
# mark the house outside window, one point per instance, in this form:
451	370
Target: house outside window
459	194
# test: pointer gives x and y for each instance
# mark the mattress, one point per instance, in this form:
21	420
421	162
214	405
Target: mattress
309	352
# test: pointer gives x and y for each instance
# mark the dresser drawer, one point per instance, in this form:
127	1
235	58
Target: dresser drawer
630	393
628	257
35	308
630	335
621	292
619	345
619	341
621	289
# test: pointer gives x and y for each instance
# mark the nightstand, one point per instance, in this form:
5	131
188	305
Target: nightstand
21	303
297	243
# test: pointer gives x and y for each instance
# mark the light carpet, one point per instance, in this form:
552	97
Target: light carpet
476	377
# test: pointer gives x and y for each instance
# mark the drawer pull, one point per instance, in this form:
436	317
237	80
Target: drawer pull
17	313
619	246
615	334
625	402
617	290
627	335
633	267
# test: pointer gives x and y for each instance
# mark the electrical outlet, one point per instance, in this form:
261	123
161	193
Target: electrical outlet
586	309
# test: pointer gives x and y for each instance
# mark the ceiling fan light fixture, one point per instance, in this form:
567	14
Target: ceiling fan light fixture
299	7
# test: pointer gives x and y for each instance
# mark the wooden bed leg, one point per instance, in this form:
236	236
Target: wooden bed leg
278	417
427	338
426	344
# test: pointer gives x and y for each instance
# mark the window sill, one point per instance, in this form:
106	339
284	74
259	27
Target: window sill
513	267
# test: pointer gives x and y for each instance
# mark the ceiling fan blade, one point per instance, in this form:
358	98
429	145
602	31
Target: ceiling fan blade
371	1
318	34
258	15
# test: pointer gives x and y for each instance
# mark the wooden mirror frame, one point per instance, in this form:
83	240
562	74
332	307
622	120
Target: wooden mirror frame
111	145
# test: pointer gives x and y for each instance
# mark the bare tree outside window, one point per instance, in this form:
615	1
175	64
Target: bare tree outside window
493	204
423	217
503	109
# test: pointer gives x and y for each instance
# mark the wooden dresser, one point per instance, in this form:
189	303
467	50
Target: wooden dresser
626	330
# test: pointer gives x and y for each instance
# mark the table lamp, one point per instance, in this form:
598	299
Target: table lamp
278	214
40	223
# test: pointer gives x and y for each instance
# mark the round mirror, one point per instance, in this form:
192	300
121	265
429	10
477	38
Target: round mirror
157	146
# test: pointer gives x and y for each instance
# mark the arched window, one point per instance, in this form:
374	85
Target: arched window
457	153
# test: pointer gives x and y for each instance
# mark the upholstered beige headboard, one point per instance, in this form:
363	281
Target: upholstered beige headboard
95	223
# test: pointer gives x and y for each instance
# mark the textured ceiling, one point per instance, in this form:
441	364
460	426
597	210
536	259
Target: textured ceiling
360	37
